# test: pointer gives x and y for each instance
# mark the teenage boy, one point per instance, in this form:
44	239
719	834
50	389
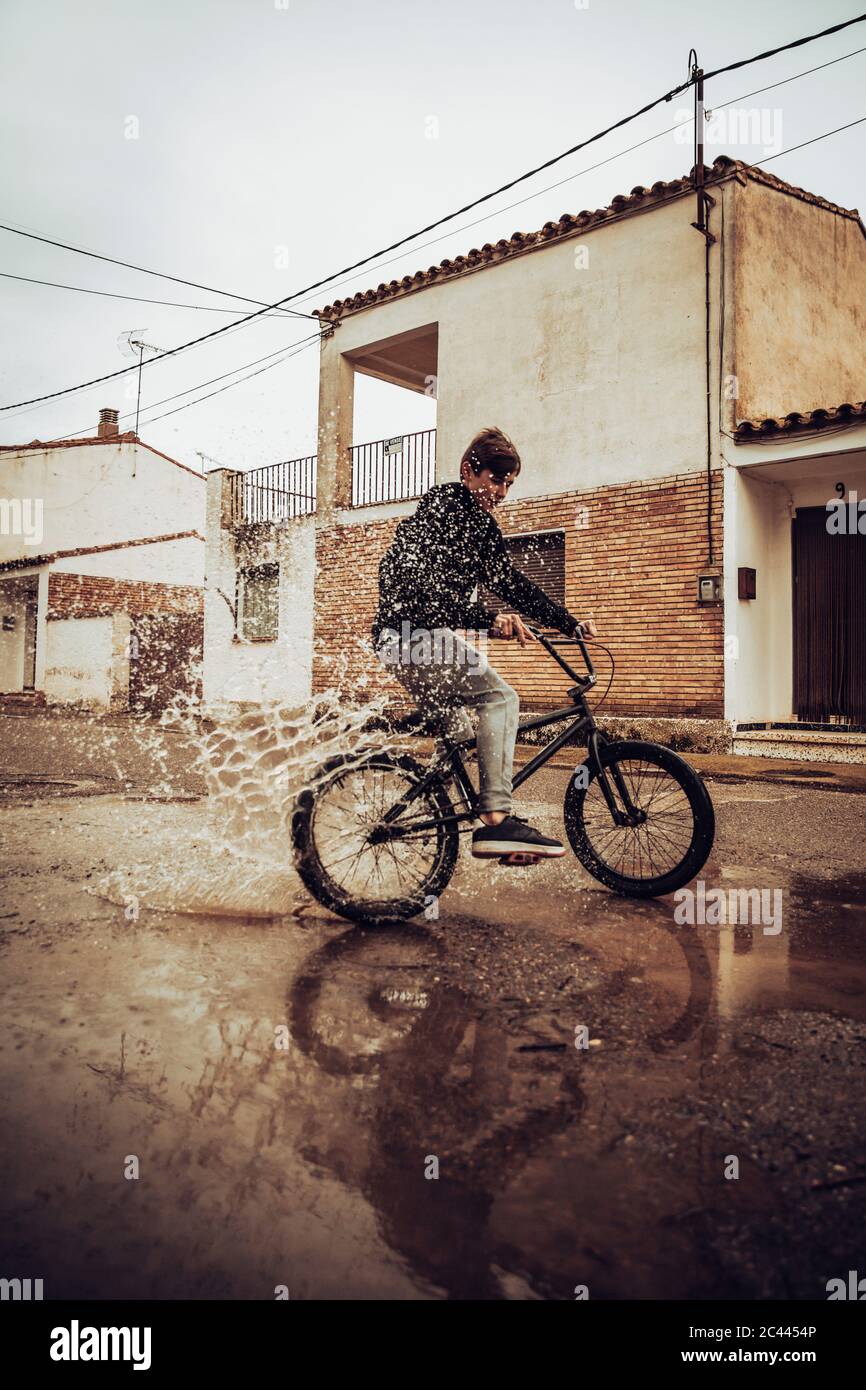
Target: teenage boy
427	578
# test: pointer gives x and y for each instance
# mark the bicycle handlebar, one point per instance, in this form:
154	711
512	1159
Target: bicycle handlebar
587	680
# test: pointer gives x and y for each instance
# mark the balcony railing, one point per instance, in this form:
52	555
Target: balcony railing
386	470
276	493
391	470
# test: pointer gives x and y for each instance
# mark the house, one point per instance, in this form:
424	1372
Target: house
683	373
101	572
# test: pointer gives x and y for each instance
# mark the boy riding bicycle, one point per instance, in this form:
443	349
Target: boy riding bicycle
427	578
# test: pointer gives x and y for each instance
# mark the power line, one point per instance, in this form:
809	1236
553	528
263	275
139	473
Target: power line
302	342
195	342
590	168
783	48
813	141
128	265
449	217
509	207
294	353
135	299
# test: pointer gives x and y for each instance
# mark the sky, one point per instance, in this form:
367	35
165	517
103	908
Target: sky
259	146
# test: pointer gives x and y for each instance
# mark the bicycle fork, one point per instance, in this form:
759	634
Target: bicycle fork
632	816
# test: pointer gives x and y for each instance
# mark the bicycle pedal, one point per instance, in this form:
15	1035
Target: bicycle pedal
519	860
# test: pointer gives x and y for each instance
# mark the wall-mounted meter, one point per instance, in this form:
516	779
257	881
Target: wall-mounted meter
709	588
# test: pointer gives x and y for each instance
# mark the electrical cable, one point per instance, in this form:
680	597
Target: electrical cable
509	207
813	141
129	265
590	168
249	318
784	48
285	349
302	342
135	298
294	353
449	217
597	706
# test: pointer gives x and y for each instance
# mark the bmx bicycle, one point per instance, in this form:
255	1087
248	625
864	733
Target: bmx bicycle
375	834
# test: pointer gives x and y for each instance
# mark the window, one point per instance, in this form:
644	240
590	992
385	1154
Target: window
260	602
541	557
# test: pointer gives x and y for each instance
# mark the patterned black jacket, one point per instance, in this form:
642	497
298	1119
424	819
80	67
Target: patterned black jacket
439	555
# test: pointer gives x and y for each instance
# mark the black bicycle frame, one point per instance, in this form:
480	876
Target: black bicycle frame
451	759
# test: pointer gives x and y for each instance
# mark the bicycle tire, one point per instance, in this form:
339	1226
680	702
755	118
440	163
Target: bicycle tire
324	887
698	797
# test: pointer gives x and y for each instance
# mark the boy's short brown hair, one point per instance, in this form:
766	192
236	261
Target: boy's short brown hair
491	448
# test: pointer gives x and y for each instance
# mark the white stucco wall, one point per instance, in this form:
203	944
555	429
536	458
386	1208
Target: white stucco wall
78	665
100	493
588	352
169	562
764	485
235	670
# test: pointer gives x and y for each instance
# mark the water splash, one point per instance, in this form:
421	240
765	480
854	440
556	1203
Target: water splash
230	853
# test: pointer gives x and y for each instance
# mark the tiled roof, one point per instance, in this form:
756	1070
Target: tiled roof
810	420
130	437
48	557
479	257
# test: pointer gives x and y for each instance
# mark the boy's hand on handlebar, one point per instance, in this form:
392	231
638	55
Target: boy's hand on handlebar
588	628
508	625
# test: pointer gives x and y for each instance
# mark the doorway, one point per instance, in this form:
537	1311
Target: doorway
18	607
829	573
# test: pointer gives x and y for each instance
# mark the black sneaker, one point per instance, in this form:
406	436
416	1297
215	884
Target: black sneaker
514	835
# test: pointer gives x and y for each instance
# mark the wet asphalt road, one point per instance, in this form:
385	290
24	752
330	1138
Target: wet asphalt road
288	1083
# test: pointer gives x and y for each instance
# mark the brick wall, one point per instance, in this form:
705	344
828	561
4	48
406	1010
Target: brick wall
93	596
633	566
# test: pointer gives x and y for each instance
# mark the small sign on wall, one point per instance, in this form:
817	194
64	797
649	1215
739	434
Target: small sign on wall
394	446
8	622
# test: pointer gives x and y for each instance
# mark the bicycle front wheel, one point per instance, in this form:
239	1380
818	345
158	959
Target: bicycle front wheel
676	823
338	857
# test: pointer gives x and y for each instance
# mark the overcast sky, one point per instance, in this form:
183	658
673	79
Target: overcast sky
257	146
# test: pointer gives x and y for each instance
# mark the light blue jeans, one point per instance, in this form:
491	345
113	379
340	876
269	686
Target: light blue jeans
444	675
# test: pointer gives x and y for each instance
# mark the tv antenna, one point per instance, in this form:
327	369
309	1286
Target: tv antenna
132	344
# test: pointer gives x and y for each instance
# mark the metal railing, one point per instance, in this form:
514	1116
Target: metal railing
390	470
276	493
386	470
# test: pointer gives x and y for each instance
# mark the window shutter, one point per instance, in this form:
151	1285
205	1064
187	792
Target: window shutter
541	558
260	602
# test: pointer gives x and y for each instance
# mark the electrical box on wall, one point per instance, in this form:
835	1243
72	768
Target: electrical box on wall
746	583
709	587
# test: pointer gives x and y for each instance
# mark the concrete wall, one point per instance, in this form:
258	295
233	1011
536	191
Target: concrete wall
800	304
78	664
236	670
100	493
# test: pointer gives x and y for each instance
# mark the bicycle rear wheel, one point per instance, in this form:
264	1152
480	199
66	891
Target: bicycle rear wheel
348	873
674	838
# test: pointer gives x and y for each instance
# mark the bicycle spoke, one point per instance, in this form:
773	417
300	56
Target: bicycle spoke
345	813
661	842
